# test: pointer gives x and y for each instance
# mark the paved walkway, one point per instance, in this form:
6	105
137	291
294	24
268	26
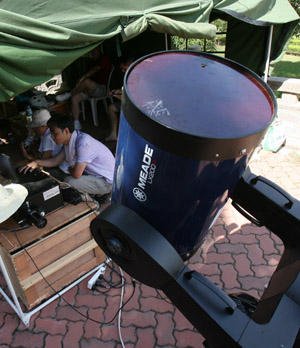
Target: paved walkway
237	256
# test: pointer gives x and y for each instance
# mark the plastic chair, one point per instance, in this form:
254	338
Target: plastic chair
94	100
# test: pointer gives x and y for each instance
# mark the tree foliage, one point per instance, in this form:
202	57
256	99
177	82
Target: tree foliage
206	45
213	45
296	5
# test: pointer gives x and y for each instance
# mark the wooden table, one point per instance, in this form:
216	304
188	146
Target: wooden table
38	263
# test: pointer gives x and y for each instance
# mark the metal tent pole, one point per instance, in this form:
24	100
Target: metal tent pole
269	53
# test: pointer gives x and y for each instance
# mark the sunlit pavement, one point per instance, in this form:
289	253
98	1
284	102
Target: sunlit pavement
236	255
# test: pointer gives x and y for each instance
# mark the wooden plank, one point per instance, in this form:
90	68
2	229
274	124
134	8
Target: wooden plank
24	271
55	220
58	264
61	276
53	247
64	250
99	254
12	273
66	277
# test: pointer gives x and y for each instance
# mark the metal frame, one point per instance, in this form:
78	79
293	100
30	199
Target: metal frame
15	303
268	58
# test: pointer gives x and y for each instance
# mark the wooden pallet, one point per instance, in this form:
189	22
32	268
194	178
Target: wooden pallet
54	257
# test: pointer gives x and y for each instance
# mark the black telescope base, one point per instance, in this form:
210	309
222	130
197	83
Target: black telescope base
147	256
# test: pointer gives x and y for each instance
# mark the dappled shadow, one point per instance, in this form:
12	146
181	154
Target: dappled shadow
238	256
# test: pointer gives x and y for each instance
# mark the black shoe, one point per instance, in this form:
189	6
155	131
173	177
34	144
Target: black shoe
103	199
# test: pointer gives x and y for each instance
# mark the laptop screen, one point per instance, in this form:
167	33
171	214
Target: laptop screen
7	170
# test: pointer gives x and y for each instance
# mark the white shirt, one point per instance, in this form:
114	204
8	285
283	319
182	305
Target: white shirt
48	144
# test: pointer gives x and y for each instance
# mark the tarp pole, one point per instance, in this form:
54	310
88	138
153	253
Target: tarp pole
166	41
269	53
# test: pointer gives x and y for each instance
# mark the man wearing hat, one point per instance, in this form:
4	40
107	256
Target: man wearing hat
48	148
91	163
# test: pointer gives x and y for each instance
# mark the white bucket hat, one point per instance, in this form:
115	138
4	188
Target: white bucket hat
11	198
40	118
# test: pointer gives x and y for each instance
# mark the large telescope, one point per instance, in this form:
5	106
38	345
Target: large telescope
188	127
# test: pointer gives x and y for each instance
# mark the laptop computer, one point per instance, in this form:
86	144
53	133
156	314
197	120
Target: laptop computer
8	171
43	192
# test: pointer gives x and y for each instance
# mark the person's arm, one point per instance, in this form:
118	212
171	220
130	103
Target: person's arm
91	72
25	153
46	154
103	64
77	170
50	162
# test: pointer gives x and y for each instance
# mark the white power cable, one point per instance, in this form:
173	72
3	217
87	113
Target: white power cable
120	312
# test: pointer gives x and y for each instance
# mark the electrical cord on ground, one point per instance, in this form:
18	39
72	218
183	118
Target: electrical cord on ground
101	292
120	312
118	285
69	304
99	283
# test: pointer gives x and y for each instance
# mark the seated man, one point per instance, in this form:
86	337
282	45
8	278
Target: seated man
48	148
115	107
91	164
92	84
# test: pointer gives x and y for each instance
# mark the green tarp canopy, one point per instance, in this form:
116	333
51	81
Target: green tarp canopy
248	31
39	38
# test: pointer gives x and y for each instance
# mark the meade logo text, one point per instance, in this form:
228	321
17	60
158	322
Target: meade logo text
147	167
146	176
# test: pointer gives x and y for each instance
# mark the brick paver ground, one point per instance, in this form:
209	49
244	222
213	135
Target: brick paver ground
237	256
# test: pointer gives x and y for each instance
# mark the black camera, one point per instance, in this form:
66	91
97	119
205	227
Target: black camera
28	214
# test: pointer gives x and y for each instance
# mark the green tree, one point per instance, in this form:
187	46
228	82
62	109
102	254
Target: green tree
296	5
206	45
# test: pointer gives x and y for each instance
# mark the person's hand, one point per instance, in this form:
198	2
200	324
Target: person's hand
117	93
29	166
